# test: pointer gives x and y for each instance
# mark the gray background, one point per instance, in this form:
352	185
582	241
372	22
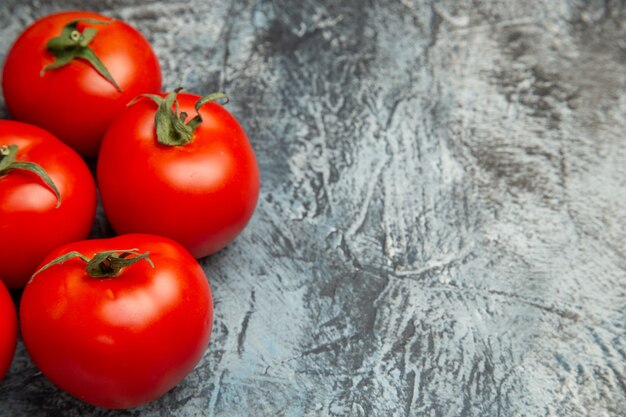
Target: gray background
441	226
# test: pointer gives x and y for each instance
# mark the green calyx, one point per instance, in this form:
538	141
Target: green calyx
104	264
73	44
172	127
8	163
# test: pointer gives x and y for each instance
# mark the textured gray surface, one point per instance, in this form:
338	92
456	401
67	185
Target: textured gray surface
441	227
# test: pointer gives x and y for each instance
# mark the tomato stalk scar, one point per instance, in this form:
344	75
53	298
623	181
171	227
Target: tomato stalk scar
8	163
171	126
72	44
104	264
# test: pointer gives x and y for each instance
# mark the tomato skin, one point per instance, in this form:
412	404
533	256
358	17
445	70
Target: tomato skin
201	194
8	330
75	102
123	341
30	223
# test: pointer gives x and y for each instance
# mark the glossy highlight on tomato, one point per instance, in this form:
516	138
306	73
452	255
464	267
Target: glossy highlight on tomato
120	340
75	102
31	224
201	193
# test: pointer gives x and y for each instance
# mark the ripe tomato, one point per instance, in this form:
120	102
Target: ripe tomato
200	190
8	330
76	102
33	220
125	336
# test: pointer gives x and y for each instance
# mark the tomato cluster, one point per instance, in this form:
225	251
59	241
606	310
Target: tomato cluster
115	322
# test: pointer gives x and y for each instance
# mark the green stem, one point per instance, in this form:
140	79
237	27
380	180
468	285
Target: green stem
104	264
72	44
171	129
8	163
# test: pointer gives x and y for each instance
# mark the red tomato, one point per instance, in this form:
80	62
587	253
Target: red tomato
121	341
8	330
31	224
201	194
76	102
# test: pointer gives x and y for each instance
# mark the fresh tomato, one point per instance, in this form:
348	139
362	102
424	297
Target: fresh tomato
33	218
122	329
73	72
8	330
195	181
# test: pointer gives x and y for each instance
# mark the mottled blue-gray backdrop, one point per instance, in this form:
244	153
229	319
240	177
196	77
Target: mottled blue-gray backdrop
441	226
